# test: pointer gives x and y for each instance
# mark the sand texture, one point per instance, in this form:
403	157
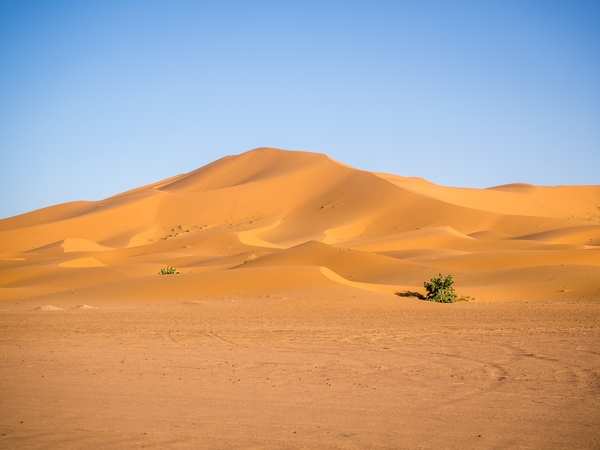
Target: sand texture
284	329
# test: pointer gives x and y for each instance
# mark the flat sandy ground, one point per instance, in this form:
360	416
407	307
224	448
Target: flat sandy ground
301	372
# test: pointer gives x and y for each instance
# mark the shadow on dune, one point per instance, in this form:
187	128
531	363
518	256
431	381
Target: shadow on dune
411	294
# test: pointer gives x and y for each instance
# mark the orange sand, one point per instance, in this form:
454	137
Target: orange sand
283	330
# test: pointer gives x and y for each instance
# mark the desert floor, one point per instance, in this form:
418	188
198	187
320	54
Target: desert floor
308	371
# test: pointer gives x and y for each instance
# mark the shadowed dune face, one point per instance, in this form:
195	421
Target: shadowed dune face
272	209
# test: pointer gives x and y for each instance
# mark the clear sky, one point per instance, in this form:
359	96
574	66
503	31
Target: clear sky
98	97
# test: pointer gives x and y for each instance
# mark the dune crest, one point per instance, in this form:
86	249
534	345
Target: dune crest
582	202
82	262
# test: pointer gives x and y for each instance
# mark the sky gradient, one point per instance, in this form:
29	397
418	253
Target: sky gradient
100	97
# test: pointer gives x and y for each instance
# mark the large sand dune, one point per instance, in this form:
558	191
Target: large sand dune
302	254
270	208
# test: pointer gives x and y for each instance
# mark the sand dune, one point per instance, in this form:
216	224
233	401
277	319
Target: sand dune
270	208
283	330
514	199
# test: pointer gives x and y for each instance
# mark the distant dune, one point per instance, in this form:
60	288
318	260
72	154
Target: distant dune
270	220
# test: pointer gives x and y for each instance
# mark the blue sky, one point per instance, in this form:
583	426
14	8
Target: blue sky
99	97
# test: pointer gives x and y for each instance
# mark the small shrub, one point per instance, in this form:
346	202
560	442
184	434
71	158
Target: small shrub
169	271
251	257
440	289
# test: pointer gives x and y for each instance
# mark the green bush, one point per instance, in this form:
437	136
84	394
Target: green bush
169	271
440	289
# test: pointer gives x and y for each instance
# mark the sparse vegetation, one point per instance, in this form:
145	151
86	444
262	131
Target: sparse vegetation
251	257
440	289
169	271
